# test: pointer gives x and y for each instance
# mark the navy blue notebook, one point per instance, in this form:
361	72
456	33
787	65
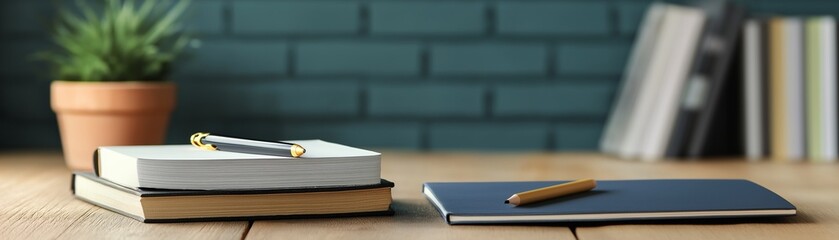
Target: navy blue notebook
618	200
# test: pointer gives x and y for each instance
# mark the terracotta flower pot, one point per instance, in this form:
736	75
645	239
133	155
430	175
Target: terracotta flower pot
93	114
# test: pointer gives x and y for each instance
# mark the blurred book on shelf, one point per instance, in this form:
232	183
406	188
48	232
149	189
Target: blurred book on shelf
703	80
801	80
674	82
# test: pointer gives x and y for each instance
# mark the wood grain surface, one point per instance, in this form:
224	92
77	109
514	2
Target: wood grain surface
36	203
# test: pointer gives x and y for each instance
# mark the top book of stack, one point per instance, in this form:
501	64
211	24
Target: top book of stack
186	167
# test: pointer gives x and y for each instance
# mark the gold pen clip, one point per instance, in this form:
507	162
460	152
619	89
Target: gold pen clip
196	138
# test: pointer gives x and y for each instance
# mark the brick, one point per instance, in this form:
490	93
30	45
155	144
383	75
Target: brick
256	128
321	99
26	101
205	17
567	18
578	136
286	100
488	59
23	16
192	103
295	17
488	136
18	58
428	101
228	100
602	59
227	57
358	58
566	99
765	7
430	18
630	15
29	134
367	135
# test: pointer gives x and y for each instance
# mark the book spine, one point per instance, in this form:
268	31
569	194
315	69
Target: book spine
635	138
794	83
827	35
766	93
626	102
812	83
708	135
690	23
777	77
752	90
96	165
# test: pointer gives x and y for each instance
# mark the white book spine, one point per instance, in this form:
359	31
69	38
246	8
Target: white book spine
637	65
680	58
829	99
635	137
753	90
795	88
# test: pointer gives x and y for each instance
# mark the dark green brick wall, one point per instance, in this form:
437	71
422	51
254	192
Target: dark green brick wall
360	58
452	18
488	59
232	58
414	74
428	101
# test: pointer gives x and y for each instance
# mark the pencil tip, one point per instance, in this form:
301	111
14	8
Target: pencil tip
506	201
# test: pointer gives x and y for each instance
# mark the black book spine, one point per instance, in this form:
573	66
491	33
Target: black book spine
729	25
765	96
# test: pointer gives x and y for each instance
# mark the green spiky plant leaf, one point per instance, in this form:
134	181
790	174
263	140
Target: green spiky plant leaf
126	41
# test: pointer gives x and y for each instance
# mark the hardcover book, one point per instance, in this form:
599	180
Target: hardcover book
158	205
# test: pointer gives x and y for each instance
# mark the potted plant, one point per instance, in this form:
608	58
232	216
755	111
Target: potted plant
111	67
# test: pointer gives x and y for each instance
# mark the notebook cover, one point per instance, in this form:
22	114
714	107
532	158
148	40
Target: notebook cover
616	196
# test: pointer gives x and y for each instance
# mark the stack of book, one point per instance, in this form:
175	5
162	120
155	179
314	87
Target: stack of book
686	93
674	82
790	88
183	183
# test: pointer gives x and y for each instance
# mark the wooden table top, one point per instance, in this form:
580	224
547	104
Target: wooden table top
36	203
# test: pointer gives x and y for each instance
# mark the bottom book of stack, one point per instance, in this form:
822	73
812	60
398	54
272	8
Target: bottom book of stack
159	205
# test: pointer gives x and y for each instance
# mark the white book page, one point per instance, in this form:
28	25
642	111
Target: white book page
315	149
